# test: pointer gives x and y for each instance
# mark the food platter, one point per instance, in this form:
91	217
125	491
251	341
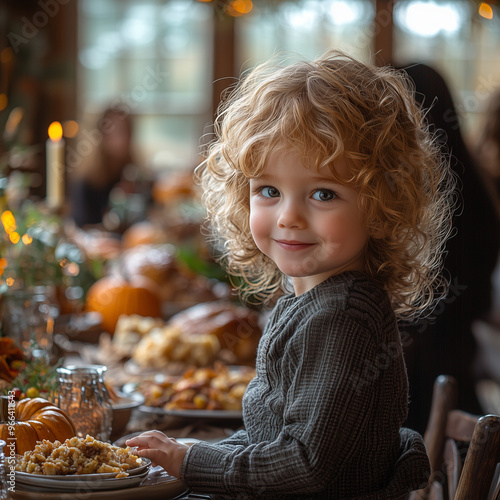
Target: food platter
130	390
208	393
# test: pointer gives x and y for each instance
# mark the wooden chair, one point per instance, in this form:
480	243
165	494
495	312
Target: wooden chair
479	479
447	431
450	436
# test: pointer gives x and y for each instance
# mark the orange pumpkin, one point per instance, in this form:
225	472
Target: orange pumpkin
112	296
36	419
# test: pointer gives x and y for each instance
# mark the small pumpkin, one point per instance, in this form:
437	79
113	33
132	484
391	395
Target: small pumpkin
112	296
36	419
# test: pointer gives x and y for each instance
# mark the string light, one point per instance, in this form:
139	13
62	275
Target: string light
8	221
485	10
14	237
27	239
237	8
70	128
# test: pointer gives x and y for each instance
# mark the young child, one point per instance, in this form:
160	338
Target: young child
323	177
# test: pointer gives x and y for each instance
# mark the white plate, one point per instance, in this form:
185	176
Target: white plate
156	485
33	482
83	482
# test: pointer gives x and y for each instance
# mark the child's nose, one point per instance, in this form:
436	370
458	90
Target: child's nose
291	216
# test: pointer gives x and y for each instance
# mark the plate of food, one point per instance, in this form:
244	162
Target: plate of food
209	393
83	464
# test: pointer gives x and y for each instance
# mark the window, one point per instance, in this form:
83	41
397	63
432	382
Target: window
307	28
455	40
153	58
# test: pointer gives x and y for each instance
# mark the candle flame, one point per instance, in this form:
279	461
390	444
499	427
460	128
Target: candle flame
55	131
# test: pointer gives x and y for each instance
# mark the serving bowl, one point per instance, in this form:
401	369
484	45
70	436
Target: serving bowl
122	411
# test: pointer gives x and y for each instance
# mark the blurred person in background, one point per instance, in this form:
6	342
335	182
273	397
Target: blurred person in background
102	168
487	148
445	344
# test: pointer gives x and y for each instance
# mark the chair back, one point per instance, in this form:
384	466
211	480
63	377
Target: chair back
479	478
446	438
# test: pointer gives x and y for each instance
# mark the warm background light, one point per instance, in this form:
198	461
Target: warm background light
486	11
27	239
13	121
70	128
3	101
14	237
55	131
6	55
238	8
8	221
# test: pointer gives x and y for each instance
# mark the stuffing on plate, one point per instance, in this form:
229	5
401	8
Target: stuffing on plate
78	456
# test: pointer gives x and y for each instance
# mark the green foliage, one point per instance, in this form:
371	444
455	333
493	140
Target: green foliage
38	374
38	254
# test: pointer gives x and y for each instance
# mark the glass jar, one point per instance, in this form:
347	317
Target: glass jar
84	397
28	317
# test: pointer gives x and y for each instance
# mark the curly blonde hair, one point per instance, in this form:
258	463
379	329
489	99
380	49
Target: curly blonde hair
331	107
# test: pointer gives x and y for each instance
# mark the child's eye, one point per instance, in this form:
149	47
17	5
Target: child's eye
324	195
269	192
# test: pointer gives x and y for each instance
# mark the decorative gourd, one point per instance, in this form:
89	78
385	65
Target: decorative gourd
112	296
36	419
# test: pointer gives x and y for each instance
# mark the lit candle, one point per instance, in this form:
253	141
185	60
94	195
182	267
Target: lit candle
55	166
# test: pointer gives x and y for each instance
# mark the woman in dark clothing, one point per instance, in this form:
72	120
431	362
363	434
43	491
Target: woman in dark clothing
98	172
446	344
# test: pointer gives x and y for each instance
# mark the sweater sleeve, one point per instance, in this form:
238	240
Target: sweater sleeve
324	418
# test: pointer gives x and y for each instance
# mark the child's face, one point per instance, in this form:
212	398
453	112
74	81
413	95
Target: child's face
308	224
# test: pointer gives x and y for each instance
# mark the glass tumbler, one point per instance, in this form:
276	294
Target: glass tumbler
84	397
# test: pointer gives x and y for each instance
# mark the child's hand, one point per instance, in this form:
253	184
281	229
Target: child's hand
161	450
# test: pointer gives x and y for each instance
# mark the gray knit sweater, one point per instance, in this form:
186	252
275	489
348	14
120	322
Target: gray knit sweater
323	414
